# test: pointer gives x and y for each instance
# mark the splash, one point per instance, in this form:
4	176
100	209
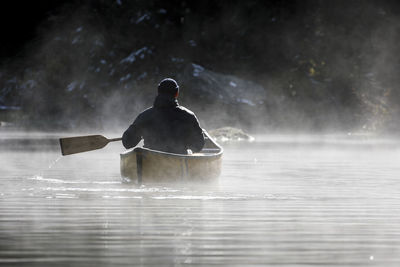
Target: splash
54	162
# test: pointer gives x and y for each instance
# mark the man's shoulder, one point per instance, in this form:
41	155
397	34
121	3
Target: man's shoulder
145	113
187	114
186	110
147	110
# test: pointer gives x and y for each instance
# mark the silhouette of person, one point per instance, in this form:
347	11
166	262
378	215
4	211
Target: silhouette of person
166	126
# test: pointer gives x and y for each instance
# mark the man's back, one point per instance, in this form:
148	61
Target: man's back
166	127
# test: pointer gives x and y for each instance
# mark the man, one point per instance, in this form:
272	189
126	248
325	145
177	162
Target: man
166	126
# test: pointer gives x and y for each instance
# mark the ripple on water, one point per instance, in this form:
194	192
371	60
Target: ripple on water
277	203
59	181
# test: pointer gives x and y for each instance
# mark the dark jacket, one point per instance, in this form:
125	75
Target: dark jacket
166	127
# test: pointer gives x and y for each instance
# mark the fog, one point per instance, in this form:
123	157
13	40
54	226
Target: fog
291	200
263	66
314	82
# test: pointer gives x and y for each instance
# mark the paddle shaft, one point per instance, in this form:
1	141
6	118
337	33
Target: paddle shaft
115	139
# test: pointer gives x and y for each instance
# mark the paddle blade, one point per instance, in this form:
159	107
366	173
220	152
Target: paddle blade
72	145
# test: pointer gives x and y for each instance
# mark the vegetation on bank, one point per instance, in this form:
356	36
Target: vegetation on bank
320	65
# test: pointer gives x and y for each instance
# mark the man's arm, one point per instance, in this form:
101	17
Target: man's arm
195	140
132	135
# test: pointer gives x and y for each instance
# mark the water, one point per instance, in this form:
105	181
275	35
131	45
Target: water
281	201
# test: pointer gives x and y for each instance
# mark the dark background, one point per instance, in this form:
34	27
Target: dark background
324	65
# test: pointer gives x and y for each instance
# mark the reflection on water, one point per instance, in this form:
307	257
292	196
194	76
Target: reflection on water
280	201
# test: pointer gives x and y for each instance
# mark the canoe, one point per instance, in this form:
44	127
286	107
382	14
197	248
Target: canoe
144	165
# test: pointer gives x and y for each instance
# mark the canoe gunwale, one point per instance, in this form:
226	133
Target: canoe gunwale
199	155
145	150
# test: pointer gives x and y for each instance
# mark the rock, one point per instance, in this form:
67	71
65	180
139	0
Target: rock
227	89
5	124
227	134
225	99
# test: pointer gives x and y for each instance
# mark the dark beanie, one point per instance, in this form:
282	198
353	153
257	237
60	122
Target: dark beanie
168	87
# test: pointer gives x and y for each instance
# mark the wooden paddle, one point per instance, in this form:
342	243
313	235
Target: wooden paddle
78	144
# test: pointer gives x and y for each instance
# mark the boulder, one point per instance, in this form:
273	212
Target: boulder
229	134
226	89
221	99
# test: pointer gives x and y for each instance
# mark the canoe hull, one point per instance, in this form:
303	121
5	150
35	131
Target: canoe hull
145	165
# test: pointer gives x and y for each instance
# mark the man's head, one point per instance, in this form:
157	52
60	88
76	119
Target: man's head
168	87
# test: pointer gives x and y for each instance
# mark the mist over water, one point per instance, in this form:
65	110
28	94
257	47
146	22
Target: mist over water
316	82
264	65
284	200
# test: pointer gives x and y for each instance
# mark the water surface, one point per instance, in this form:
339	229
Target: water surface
280	201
